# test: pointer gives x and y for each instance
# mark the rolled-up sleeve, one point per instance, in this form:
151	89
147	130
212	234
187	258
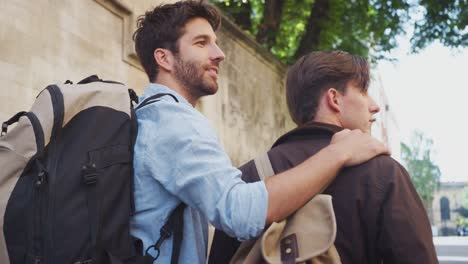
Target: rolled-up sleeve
201	173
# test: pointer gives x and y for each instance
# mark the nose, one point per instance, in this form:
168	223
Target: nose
373	106
217	54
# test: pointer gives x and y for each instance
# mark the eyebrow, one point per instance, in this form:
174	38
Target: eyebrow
204	37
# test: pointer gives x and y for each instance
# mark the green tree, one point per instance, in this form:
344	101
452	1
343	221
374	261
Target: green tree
292	28
424	173
462	221
462	218
464	198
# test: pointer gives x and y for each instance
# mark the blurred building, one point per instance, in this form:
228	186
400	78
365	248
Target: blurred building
385	127
447	199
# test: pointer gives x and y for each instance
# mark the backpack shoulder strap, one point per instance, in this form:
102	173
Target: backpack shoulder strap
263	165
175	223
154	98
265	170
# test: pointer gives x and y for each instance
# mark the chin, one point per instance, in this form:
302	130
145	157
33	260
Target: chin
211	88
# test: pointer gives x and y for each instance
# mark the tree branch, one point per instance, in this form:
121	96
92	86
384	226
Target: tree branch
311	38
269	27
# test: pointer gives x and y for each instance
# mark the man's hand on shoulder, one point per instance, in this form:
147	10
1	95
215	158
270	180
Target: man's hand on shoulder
356	147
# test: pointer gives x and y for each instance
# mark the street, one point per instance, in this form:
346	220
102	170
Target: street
452	250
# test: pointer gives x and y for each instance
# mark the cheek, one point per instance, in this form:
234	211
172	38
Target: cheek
354	107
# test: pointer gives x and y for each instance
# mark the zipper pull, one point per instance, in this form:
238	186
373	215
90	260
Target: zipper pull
37	260
42	175
40	178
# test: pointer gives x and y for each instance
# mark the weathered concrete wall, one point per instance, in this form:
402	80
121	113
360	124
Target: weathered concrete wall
50	41
249	111
44	42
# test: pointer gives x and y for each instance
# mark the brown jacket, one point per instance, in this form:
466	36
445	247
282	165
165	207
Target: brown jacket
379	215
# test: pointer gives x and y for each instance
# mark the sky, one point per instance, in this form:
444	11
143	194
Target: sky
428	92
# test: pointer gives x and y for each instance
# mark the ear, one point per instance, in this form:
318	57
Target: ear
164	58
333	99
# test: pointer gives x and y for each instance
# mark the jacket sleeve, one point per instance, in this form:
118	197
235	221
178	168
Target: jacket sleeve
405	235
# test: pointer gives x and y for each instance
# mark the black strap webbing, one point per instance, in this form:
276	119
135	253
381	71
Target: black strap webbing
177	219
90	79
154	98
173	226
133	97
90	175
94	78
175	222
11	121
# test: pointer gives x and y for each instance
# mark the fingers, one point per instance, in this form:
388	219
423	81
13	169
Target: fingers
340	135
357	146
384	149
377	148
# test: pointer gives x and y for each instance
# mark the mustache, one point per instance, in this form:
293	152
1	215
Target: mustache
213	64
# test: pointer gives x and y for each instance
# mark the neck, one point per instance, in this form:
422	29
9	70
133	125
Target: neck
327	118
174	85
326	114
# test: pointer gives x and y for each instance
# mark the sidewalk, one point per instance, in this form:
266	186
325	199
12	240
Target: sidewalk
452	250
451	240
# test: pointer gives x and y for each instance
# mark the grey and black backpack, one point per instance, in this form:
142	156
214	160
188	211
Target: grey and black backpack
66	177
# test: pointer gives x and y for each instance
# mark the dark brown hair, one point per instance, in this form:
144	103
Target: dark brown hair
315	73
164	25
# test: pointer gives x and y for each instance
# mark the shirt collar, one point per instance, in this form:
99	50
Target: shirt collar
156	88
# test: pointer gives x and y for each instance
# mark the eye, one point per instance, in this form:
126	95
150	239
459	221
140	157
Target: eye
200	43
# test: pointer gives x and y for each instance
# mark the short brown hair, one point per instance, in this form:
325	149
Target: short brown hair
316	72
163	26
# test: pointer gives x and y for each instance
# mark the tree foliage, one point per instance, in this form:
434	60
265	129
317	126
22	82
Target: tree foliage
445	20
462	221
292	28
424	173
462	218
463	210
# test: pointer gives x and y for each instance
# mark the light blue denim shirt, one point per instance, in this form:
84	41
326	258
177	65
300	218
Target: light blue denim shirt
178	158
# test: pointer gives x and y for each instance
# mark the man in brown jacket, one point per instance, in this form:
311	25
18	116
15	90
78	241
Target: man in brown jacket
379	215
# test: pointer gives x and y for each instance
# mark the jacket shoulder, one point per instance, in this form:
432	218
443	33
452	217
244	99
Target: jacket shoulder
383	167
384	161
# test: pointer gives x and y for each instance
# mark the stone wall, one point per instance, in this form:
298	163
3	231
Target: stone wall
249	111
43	42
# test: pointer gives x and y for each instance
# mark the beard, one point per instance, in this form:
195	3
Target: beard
191	75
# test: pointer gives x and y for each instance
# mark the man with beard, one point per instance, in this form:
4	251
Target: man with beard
379	216
178	158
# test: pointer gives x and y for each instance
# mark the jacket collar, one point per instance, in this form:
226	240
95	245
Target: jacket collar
307	130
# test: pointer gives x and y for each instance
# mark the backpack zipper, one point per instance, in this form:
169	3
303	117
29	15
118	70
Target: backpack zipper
58	108
50	204
40	209
39	175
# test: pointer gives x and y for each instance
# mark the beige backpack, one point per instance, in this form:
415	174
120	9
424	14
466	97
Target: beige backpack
307	236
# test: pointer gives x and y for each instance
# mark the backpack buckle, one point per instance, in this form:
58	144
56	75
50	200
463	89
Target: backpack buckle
4	129
90	174
164	233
